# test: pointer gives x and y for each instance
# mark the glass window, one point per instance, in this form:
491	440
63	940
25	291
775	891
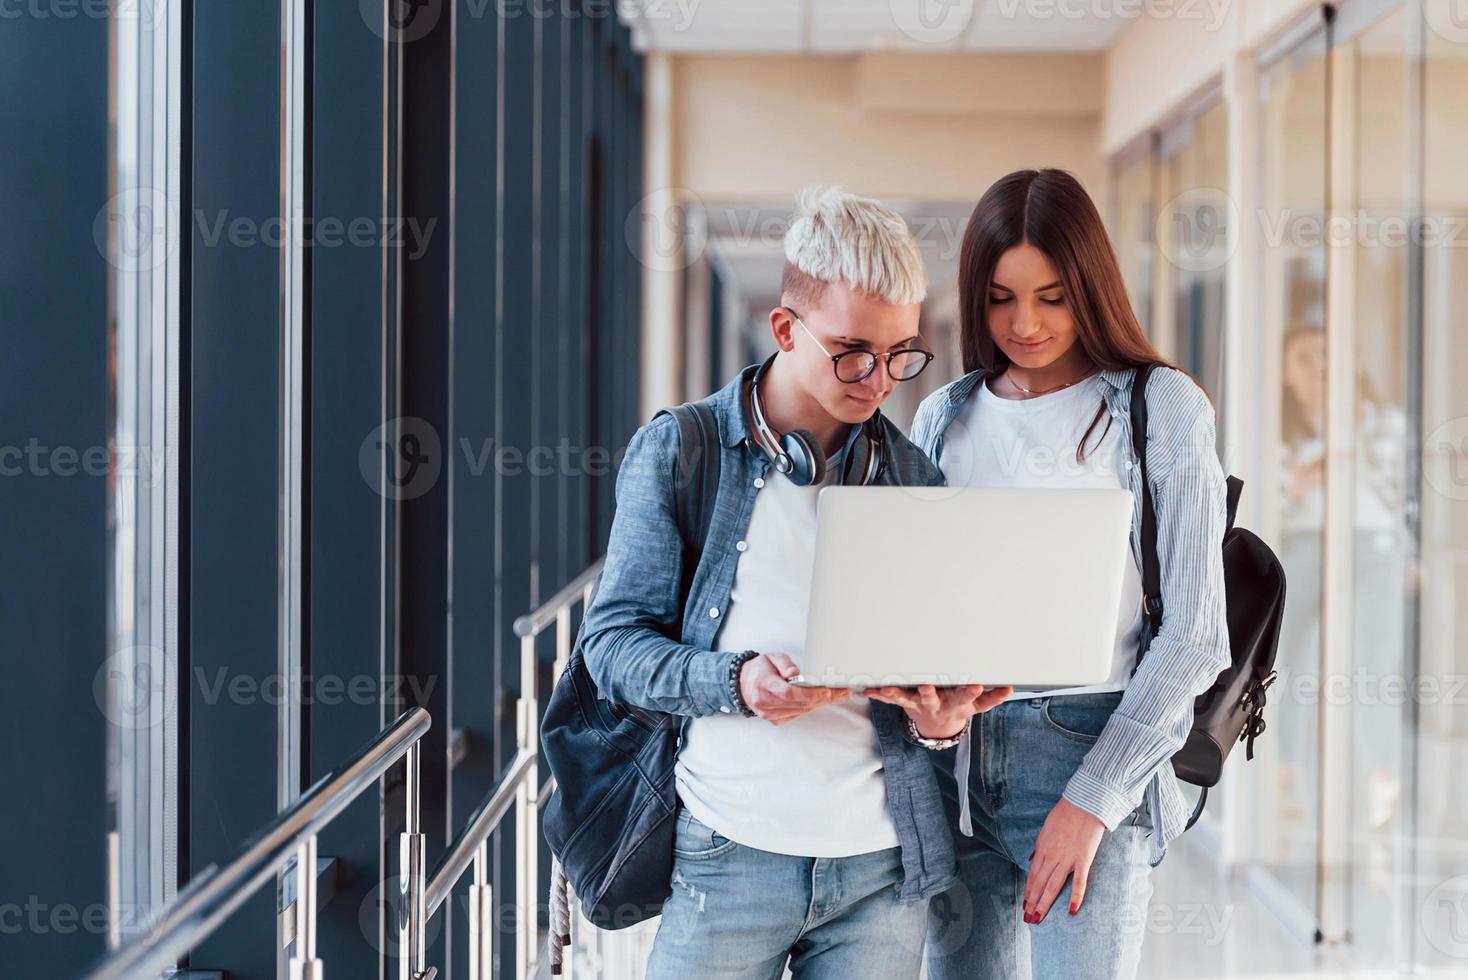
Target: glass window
1442	723
1375	92
1193	235
1283	782
1131	226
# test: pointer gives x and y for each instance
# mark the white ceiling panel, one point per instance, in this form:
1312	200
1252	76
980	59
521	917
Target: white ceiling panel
721	25
846	26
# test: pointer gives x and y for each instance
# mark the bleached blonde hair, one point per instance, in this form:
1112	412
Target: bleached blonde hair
840	237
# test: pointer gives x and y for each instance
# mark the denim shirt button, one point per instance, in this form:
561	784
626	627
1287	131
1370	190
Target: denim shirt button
741	545
759	483
724	708
714	612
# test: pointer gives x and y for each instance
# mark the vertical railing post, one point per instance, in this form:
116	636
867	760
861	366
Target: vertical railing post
563	639
527	851
304	964
412	898
481	918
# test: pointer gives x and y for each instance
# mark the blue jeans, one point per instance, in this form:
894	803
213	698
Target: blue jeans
737	911
1024	753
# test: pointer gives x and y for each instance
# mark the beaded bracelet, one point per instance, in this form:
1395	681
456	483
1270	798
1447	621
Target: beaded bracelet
735	666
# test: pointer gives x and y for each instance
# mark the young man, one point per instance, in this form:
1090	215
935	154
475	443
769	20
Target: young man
811	830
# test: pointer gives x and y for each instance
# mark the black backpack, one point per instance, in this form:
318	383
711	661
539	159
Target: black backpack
609	821
1232	710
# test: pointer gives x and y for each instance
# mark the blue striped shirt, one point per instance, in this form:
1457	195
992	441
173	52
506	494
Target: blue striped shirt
1133	756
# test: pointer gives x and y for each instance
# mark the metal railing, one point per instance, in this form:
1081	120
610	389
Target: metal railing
216	893
520	785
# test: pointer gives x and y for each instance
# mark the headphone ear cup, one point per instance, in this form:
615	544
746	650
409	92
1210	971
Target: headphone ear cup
807	462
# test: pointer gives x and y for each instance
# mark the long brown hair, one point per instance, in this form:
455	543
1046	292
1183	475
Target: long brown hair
1050	210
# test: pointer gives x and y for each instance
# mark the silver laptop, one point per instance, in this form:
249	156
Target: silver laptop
945	585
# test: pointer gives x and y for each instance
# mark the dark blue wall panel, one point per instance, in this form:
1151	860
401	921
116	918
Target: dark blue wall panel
348	346
235	389
54	379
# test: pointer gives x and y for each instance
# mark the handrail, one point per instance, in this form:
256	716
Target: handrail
519	784
217	892
536	621
460	855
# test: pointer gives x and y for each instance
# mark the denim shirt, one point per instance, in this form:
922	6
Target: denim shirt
644	646
1133	756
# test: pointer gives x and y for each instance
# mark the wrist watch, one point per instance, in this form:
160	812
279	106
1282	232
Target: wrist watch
914	736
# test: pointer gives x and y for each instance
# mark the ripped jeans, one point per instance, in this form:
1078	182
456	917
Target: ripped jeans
737	911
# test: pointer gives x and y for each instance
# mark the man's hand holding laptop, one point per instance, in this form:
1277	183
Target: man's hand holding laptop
764	683
937	712
941	712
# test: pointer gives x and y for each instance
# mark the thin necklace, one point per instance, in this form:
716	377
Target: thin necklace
1036	391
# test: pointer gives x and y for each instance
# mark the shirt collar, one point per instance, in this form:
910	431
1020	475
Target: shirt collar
728	404
1118	380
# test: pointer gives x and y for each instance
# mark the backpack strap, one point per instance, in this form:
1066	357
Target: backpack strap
1151	570
1235	487
696	482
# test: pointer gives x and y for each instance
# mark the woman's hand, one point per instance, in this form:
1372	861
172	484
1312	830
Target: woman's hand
941	712
1065	848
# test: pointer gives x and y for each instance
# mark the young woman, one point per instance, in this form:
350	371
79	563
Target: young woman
1064	803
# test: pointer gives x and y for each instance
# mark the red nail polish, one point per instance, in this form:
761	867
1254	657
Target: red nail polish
1073	910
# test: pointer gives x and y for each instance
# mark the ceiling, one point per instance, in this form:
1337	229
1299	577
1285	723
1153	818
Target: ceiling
845	26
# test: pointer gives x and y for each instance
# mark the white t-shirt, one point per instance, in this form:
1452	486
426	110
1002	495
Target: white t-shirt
812	787
1007	442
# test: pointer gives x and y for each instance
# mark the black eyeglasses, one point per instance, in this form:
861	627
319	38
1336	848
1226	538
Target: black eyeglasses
854	366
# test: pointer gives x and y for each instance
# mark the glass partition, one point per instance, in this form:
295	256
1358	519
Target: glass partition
1282	836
